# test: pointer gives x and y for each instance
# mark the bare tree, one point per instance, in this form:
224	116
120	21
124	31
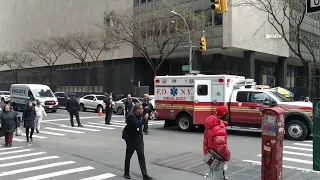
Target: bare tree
47	50
287	17
155	33
15	61
87	48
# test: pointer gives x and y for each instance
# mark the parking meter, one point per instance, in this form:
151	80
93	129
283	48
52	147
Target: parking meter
272	143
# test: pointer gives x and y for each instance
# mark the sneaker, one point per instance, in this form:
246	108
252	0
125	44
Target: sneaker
146	177
37	130
31	139
6	145
80	125
10	145
127	176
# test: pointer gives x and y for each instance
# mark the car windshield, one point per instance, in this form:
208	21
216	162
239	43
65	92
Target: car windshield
100	98
6	93
42	93
280	97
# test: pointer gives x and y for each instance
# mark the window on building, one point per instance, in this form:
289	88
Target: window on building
267	75
218	18
242	96
202	90
290	78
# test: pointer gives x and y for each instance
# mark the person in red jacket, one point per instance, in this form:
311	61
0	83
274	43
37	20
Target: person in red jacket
215	138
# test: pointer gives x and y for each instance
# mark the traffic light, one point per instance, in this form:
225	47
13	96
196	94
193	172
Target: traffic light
220	6
203	44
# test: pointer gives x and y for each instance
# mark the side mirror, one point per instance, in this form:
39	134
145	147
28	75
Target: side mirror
95	99
270	103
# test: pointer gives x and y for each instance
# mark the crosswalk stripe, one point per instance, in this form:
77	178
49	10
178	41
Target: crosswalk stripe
106	125
100	177
17	139
4	149
17	171
65	130
28	161
36	136
297	148
18	151
302	144
307	141
99	127
82	128
150	122
289	167
298	154
59	173
21	156
52	133
295	160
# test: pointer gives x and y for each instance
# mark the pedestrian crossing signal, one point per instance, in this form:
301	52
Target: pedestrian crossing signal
203	44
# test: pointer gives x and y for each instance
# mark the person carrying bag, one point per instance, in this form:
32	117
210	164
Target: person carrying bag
215	147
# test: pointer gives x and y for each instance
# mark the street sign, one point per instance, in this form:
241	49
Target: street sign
185	68
313	6
316	134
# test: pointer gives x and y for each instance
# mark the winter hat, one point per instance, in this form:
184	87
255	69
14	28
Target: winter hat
221	111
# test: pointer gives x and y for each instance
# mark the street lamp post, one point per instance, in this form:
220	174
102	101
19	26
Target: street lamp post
190	41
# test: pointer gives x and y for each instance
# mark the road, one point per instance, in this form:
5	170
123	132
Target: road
96	151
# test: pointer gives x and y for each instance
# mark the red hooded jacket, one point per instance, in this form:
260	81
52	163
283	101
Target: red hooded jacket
215	137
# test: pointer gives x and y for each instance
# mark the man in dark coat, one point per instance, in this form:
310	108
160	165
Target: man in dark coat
127	105
148	108
133	136
108	110
73	108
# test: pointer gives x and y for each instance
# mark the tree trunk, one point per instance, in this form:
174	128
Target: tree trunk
308	79
15	73
50	76
92	80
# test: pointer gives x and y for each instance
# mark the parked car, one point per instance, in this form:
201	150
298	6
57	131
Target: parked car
5	96
93	102
118	105
63	98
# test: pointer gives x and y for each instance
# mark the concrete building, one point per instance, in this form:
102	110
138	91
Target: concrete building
239	42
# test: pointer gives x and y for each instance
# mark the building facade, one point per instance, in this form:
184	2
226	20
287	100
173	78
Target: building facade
239	42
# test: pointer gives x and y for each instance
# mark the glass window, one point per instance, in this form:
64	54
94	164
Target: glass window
259	97
242	96
89	97
42	93
202	90
6	93
100	98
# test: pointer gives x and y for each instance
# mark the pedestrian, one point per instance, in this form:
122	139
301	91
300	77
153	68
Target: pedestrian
148	108
108	109
73	108
40	112
133	136
9	124
127	105
307	99
215	139
28	118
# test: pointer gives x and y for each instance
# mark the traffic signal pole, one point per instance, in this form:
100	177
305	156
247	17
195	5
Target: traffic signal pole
190	54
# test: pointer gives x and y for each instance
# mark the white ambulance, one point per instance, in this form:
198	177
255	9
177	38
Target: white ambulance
186	101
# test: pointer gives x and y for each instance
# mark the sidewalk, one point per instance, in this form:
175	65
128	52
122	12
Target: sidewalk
237	170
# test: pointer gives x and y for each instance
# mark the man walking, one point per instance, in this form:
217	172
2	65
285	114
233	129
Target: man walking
73	108
127	105
133	136
108	109
148	108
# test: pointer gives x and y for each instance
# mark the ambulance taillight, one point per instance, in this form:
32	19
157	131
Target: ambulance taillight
157	81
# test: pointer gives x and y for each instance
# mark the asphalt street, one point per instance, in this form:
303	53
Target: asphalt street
96	151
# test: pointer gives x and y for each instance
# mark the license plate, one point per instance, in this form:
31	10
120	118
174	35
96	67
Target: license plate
50	106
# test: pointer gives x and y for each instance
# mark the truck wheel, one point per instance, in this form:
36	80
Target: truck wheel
296	130
185	123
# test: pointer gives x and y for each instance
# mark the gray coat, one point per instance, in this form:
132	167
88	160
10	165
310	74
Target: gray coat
9	121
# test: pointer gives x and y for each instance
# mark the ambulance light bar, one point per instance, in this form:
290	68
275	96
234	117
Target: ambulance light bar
222	80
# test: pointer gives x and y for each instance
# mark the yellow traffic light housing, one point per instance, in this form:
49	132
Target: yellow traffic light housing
220	6
203	44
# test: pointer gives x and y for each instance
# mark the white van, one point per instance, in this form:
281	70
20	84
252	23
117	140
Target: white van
22	93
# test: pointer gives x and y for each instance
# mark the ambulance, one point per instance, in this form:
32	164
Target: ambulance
186	101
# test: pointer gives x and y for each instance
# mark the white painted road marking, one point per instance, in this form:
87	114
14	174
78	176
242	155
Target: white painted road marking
17	171
36	136
297	148
100	177
99	127
302	144
59	173
68	119
298	154
106	125
28	161
295	160
64	130
4	149
289	167
52	133
18	151
21	156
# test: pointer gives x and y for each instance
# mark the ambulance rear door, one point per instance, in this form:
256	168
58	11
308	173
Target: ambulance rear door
202	101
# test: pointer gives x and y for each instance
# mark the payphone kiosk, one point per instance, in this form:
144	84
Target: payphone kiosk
272	143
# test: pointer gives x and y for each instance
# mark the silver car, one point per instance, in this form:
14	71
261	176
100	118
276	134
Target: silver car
118	105
93	102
